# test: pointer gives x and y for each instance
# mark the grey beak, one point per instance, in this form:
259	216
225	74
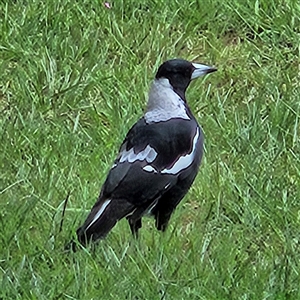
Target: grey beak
201	70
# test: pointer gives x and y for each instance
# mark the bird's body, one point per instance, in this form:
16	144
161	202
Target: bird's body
158	160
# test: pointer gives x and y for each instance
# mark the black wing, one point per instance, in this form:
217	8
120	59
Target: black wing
151	159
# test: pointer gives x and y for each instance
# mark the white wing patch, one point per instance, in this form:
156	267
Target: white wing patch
148	154
184	161
150	169
99	213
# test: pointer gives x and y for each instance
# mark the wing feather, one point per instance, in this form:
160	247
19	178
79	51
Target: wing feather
151	159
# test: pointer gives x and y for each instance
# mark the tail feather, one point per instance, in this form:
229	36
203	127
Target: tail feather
102	218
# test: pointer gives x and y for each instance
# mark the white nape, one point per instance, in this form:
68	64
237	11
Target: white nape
163	103
99	213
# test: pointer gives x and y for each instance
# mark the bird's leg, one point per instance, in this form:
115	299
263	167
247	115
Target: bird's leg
135	225
162	218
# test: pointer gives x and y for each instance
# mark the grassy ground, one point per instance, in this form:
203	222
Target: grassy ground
74	77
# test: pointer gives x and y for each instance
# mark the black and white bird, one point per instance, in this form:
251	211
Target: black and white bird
158	160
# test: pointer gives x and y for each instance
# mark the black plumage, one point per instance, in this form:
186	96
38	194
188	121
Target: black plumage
158	160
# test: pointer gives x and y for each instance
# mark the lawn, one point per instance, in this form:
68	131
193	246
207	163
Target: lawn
74	78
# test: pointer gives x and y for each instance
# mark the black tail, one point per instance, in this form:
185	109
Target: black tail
102	218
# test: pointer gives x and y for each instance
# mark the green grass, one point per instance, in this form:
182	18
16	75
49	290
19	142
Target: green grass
73	79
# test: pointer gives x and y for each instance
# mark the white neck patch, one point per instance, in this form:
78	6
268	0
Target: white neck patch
163	103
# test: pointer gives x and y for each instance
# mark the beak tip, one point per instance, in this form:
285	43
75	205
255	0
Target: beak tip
212	69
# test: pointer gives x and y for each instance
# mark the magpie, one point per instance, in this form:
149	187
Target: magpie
158	160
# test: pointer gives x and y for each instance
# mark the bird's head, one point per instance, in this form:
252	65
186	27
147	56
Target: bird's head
181	72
